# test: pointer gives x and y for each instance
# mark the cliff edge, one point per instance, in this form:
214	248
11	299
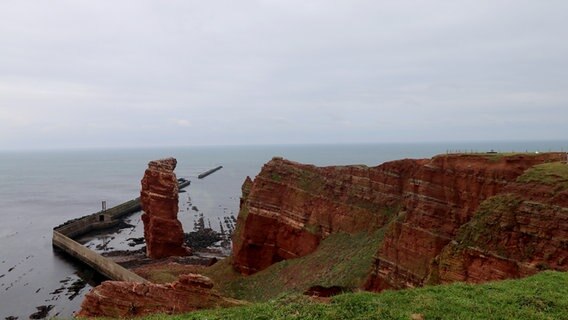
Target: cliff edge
457	217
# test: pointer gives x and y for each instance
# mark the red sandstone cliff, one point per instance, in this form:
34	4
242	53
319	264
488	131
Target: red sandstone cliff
435	229
119	299
290	207
163	232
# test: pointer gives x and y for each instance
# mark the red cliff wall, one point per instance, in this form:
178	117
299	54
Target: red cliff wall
290	207
425	205
515	234
163	232
440	198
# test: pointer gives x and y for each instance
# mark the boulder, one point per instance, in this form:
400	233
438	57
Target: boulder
119	299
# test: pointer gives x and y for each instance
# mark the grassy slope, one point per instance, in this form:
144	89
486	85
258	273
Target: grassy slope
543	296
488	221
341	260
553	174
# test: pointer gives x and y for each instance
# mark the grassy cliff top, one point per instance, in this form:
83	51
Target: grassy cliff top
543	296
554	174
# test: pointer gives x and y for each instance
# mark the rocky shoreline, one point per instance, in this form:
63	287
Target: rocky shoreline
210	246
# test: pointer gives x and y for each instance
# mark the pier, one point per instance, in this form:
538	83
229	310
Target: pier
208	172
64	234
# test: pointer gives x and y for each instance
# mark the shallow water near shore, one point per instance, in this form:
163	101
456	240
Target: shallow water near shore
40	190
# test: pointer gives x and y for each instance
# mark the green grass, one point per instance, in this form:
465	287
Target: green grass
492	216
492	156
168	273
341	260
500	155
275	177
498	213
241	221
311	182
162	277
543	296
553	174
312	228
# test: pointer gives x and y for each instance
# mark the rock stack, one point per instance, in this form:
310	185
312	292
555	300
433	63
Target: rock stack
163	232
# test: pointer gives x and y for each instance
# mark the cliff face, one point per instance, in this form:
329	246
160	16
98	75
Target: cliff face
163	232
290	207
191	292
439	201
515	234
430	211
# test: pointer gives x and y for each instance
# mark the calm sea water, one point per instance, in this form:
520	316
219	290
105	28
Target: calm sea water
39	190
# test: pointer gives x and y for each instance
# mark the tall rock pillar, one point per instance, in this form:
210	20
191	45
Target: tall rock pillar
163	232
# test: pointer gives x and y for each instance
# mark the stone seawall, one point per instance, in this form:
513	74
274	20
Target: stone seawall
124	209
99	220
63	237
105	266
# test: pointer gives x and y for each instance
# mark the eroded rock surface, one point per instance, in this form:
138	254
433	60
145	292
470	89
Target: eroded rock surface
436	214
439	201
163	232
290	207
119	299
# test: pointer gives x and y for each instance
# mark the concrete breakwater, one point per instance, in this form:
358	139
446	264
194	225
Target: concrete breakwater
208	172
99	220
105	266
63	237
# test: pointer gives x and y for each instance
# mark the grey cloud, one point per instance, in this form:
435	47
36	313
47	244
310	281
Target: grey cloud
228	72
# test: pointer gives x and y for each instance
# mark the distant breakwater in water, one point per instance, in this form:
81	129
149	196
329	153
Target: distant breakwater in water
209	172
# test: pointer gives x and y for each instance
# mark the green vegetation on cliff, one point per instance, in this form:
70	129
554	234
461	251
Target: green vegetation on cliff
553	174
493	215
342	260
543	296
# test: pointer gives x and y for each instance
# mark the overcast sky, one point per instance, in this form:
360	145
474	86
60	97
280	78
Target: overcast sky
149	73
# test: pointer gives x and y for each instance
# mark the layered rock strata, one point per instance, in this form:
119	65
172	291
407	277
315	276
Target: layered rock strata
290	207
435	226
118	299
163	232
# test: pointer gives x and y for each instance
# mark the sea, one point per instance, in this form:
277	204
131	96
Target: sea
42	189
